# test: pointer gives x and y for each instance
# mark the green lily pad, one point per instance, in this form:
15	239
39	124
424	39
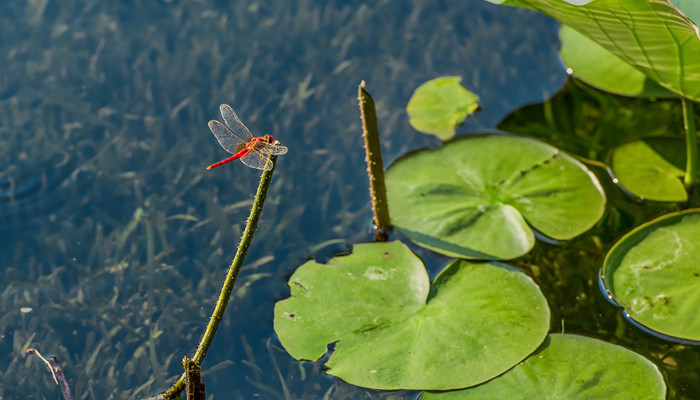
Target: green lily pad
652	35
439	105
394	330
651	168
572	367
593	64
653	272
474	197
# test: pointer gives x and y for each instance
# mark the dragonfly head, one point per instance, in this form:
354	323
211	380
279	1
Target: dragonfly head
269	138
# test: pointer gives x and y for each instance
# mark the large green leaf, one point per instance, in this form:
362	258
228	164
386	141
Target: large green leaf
570	367
396	331
474	197
598	67
651	168
654	273
651	35
439	105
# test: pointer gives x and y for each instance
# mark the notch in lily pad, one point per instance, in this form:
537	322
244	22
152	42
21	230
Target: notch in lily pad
439	105
481	196
394	329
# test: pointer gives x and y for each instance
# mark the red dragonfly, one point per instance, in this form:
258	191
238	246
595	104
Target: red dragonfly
237	140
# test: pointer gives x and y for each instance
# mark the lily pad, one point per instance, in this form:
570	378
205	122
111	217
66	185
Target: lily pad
652	35
653	272
651	168
439	105
572	367
593	64
392	329
479	196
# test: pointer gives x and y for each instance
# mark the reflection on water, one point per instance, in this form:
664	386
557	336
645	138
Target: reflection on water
103	111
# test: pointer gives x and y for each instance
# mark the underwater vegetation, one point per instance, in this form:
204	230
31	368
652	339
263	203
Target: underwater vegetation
118	238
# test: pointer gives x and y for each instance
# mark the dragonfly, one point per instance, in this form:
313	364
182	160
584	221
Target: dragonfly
235	138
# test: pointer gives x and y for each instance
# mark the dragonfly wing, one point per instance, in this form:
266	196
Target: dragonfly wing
273	149
257	160
234	123
226	138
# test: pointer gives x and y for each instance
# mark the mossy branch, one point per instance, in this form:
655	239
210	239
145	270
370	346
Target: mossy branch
230	281
375	166
691	144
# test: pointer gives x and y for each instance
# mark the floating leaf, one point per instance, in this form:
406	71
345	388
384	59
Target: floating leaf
653	36
600	68
651	168
393	330
653	272
439	105
474	197
572	367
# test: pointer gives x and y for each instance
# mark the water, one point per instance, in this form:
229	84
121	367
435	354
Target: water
103	111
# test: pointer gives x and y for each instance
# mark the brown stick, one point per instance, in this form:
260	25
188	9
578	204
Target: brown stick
375	166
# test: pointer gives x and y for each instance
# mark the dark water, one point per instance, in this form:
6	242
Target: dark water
103	112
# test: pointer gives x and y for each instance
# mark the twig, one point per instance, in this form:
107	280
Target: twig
56	372
193	380
230	281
